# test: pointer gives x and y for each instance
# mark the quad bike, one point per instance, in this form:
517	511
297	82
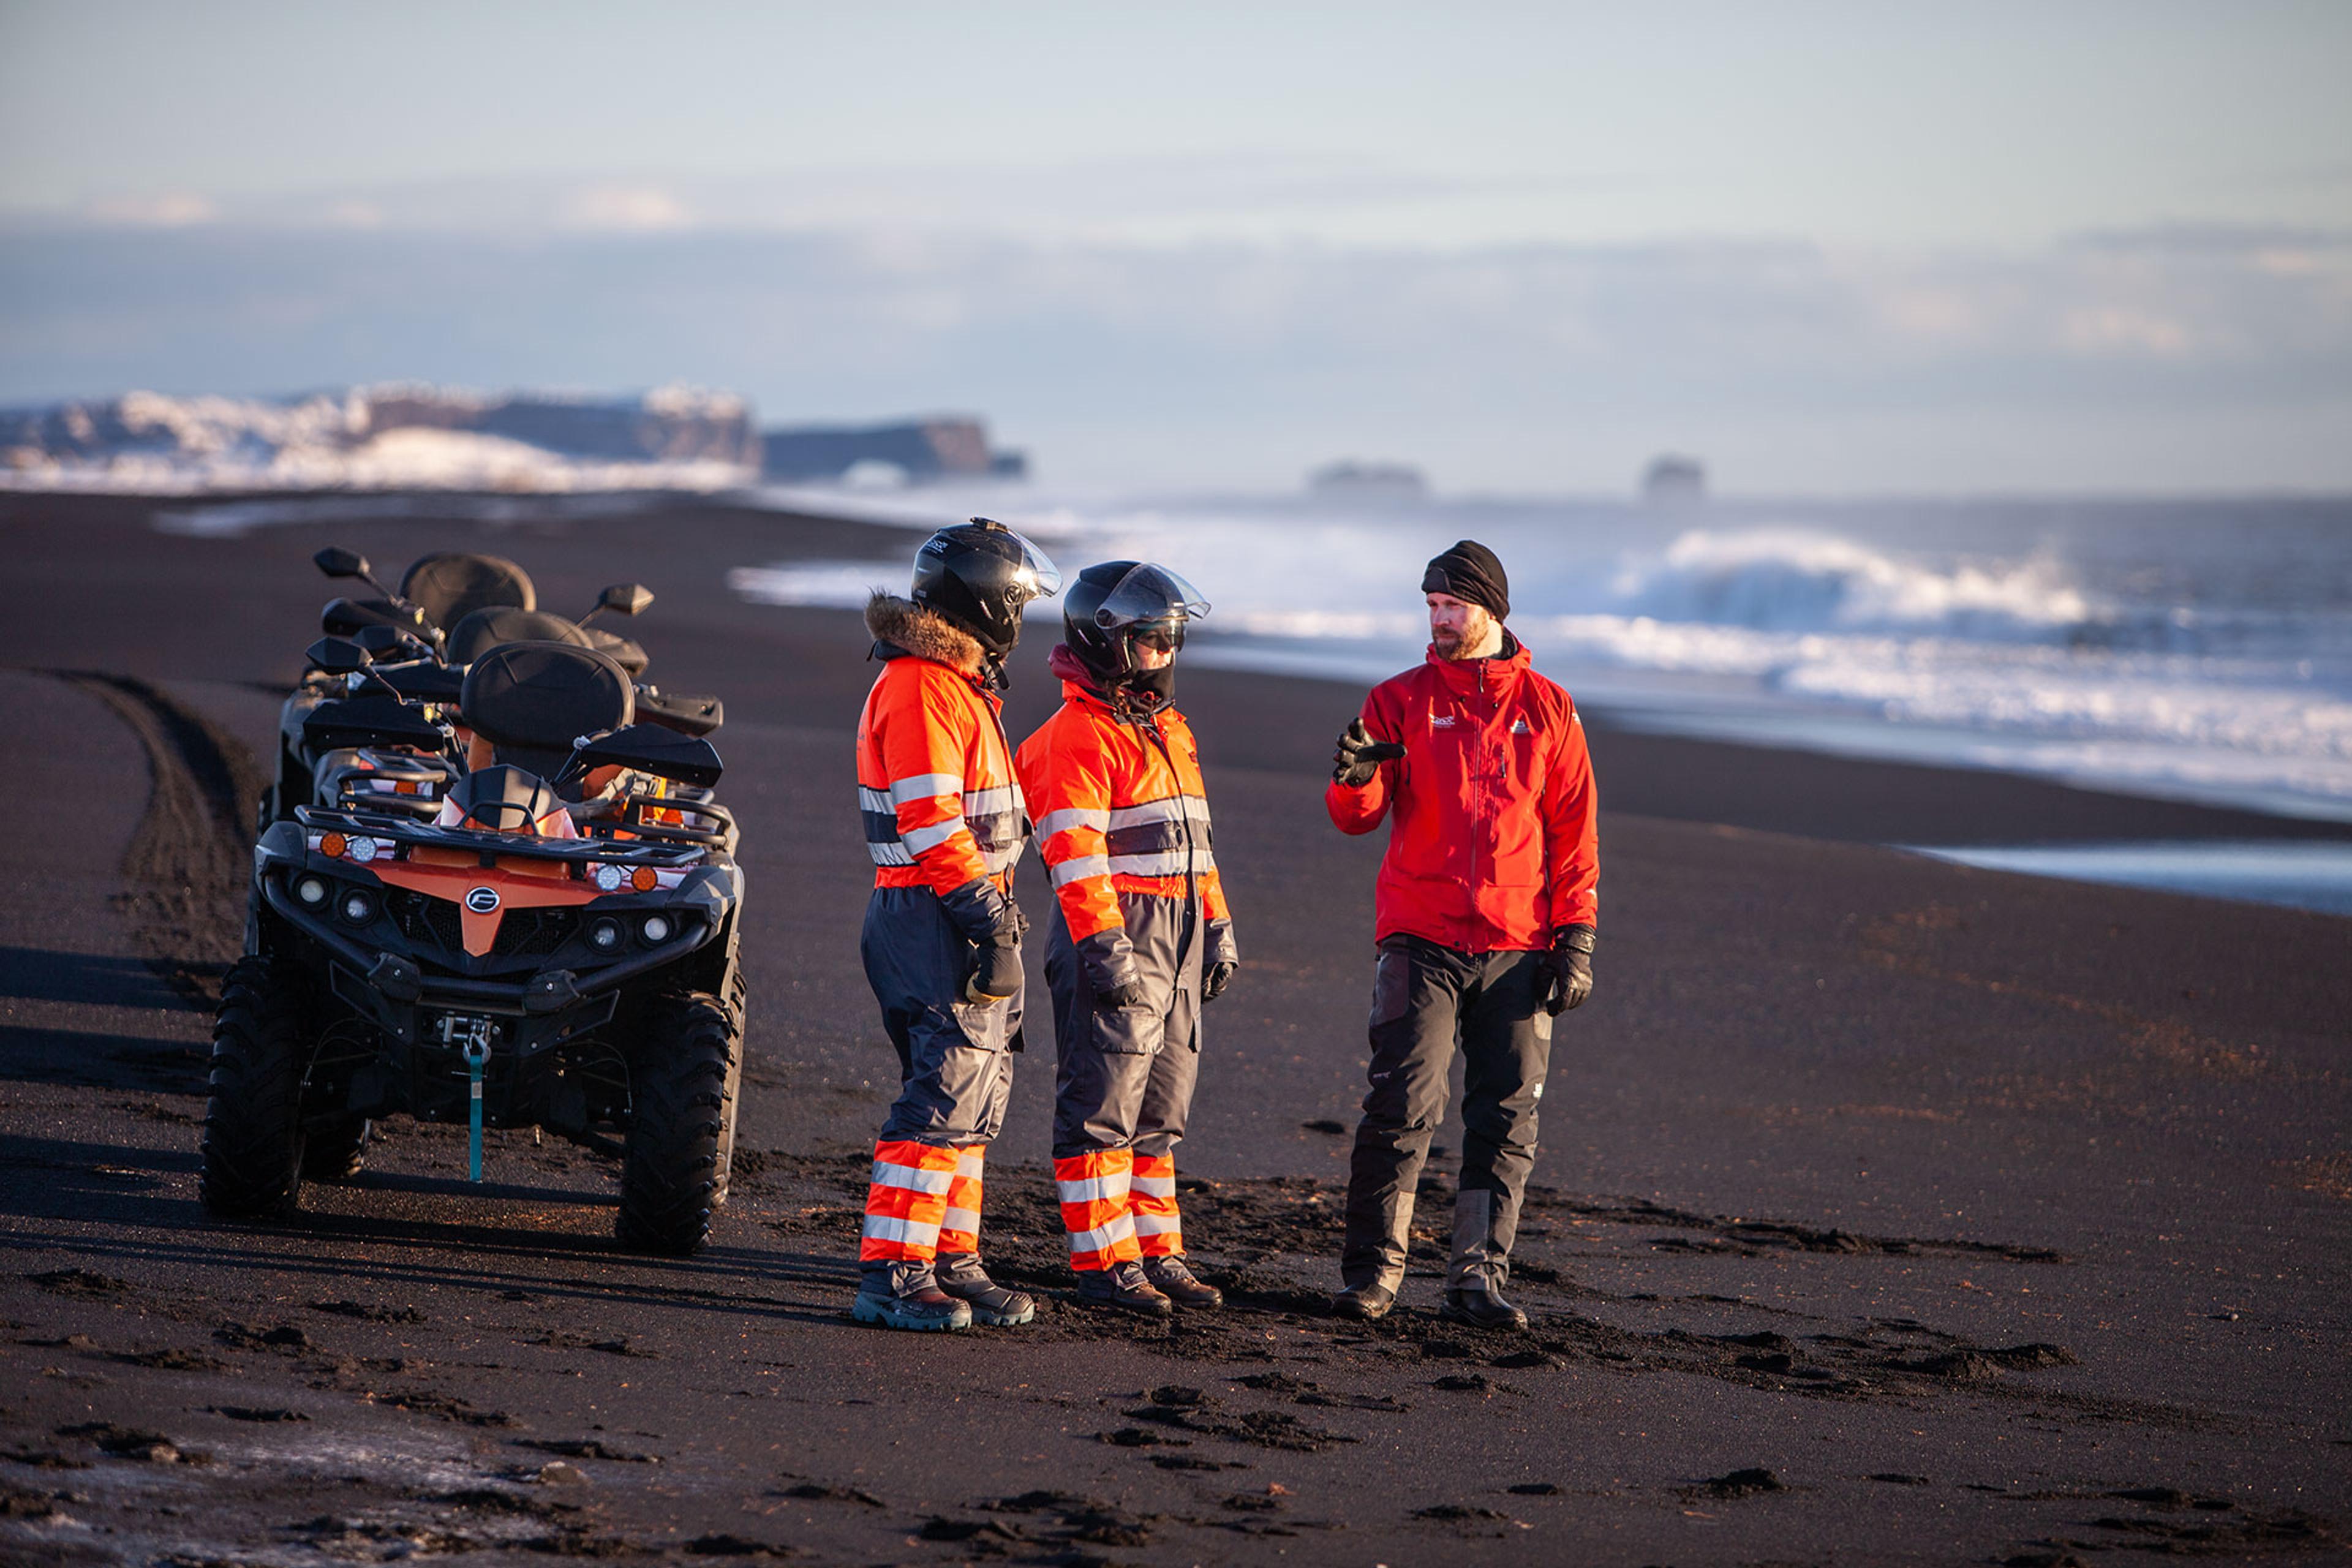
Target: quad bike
541	931
451	608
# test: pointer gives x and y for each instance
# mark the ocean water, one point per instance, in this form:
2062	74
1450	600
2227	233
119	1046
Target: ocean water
2191	649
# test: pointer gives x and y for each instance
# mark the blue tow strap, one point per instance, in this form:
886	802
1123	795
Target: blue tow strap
478	1056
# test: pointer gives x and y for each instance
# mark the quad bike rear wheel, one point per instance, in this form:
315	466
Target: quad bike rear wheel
682	1127
253	1145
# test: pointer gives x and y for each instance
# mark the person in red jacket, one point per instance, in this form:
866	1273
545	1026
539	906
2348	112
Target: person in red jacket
1486	909
1141	936
944	823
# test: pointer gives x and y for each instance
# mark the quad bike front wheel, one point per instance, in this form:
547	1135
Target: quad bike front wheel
681	1131
253	1146
336	1152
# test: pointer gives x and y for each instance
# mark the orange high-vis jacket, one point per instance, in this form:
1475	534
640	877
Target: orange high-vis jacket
1121	809
935	781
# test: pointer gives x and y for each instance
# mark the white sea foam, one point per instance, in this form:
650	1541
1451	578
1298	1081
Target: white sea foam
2044	655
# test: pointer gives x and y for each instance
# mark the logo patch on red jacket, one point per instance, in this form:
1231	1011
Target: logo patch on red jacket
1441	721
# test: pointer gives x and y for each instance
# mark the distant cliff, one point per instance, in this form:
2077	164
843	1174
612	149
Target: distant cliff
922	449
384	437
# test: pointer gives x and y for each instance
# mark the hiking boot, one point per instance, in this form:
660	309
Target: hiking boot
961	1277
907	1296
1481	1309
1365	1303
1124	1287
1172	1280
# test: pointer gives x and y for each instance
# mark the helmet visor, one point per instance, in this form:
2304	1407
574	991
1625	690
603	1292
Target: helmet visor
1149	593
1035	576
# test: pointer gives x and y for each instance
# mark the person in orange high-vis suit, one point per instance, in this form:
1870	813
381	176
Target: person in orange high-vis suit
944	823
1141	935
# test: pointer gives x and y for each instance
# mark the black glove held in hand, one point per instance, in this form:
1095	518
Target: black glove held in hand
996	970
1567	969
1125	994
1357	756
1213	984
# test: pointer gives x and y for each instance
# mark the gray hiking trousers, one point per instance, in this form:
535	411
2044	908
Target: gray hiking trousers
955	1072
1426	998
1125	1076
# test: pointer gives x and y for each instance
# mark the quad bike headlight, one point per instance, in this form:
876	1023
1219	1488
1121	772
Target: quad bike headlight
608	876
605	935
311	891
657	929
358	908
363	849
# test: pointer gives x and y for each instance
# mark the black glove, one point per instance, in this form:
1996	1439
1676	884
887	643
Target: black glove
1567	969
1357	756
1224	957
996	955
996	969
1118	998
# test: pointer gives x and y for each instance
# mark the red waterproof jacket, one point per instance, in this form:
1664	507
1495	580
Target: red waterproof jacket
1494	845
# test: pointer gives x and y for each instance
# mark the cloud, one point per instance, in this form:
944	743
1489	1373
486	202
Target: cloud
627	207
1238	361
178	209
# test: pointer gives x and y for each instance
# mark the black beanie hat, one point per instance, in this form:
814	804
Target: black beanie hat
1470	573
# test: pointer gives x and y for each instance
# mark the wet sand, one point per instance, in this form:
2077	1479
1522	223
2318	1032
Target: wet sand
1886	1208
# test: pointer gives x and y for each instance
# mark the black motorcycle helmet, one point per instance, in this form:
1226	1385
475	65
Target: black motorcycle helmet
978	574
1115	605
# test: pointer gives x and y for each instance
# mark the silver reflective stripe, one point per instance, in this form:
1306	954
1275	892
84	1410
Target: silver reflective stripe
1158	1224
990	802
1171	863
923	838
1093	1189
1084	866
1175	809
921	787
1156	1186
908	1232
964	1220
1095	1240
915	1181
873	800
999	859
1071	817
889	854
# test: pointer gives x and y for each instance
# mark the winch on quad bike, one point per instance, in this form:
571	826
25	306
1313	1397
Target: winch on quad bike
543	933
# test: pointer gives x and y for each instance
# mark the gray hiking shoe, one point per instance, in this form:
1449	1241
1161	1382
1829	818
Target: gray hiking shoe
1171	1278
907	1296
1123	1286
961	1277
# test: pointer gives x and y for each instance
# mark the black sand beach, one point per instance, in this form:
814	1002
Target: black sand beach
1888	1210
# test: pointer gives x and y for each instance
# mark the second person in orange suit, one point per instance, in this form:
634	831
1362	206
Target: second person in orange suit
1141	936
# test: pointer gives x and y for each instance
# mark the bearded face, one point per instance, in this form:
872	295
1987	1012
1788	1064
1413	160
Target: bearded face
1457	628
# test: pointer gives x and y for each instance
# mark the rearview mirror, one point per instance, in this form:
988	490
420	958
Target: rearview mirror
625	598
338	656
380	640
337	561
650	748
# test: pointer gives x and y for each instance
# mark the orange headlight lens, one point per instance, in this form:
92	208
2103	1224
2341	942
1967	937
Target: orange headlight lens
332	846
643	880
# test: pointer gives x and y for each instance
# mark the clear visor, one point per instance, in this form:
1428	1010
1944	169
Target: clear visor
1036	575
1149	593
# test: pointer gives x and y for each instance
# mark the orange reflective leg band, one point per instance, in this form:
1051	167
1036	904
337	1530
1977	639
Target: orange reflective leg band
959	1227
1093	1188
1153	1203
906	1201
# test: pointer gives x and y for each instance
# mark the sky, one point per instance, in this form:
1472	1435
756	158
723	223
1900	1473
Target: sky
1829	248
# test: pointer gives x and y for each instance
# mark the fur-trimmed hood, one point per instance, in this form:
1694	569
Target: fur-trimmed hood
905	625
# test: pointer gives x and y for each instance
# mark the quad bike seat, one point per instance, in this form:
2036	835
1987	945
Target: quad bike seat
626	652
450	585
503	799
532	699
484	629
